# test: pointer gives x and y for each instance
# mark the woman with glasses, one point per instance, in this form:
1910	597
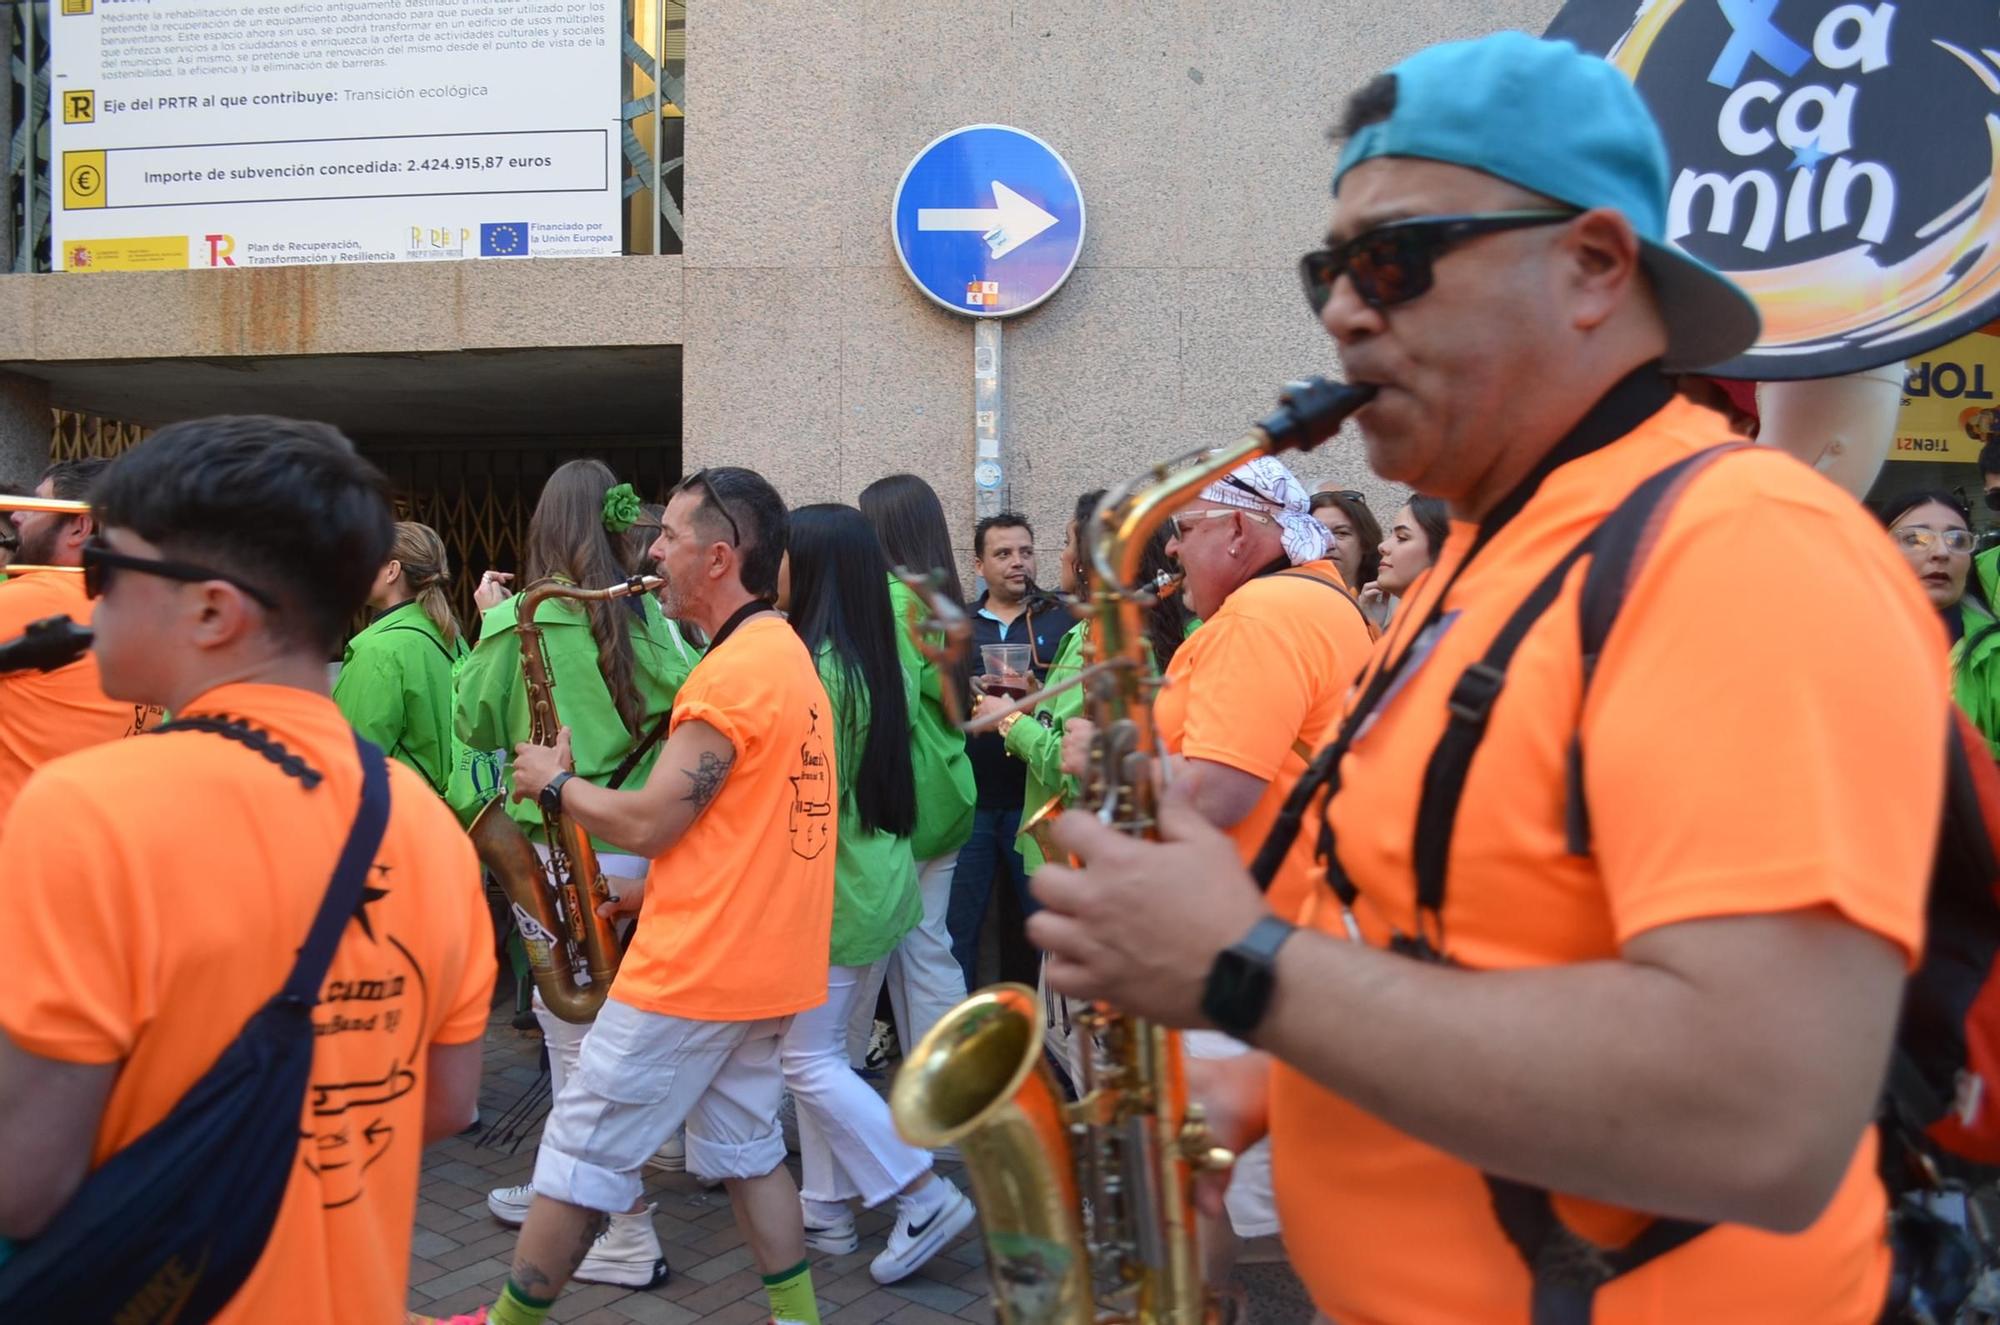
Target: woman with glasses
617	665
832	589
1356	550
1416	536
1934	533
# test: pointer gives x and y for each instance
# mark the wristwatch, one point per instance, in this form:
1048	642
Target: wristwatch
550	797
1241	980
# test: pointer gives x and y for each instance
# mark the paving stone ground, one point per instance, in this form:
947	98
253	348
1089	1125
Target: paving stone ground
460	1253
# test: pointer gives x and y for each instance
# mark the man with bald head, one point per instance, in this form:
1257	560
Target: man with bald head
1522	1071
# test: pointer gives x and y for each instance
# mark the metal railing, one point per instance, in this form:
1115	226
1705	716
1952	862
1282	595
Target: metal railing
652	129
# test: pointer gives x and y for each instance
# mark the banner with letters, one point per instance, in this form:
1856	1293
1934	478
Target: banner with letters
1951	400
1838	160
251	133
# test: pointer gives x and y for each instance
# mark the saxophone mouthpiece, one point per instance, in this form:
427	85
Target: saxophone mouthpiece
1311	411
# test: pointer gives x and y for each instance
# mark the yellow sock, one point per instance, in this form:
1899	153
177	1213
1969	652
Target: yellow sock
791	1295
517	1308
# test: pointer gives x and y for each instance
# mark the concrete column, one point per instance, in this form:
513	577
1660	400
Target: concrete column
24	428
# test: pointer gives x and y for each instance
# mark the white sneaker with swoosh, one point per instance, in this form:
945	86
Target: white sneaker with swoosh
917	1238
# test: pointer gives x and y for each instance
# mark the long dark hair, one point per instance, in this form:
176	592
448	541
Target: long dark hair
1367	529
567	537
909	522
1434	518
840	598
1167	620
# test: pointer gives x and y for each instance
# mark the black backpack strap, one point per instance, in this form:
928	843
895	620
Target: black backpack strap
343	894
638	752
1568	1269
1623	543
433	640
1338	588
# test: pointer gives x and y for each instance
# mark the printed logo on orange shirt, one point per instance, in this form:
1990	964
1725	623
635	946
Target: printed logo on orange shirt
812	796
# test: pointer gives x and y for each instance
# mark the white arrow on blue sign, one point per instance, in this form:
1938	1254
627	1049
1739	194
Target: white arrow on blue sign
988	220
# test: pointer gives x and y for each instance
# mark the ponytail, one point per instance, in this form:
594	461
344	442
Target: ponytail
428	573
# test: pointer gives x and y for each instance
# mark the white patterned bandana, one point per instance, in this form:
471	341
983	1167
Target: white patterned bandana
1265	485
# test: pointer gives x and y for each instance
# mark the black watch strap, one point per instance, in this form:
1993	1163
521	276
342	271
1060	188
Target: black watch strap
550	798
1240	982
1268	935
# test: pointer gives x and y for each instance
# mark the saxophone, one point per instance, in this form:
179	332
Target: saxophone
1088	1208
555	906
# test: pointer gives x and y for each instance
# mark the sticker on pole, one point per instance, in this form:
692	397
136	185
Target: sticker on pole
988	220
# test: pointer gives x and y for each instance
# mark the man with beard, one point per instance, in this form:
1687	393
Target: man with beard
738	819
46	714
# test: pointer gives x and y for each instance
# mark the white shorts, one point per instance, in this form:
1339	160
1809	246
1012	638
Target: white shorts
1253	1205
640	1077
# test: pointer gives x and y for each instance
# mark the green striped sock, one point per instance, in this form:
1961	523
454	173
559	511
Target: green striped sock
517	1308
791	1295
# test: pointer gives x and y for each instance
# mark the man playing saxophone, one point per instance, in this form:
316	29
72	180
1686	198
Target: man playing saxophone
614	668
736	919
1682	1026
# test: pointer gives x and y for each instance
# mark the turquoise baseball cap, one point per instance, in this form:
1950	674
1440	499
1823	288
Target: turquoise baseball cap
1569	126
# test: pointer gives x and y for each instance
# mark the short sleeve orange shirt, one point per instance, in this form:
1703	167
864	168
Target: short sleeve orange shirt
1263	679
159	889
45	714
1763	734
738	917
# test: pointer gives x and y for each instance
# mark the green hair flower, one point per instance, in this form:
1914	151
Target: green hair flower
621	508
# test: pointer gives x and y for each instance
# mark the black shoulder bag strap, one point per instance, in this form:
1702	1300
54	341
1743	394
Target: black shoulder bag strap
1337	587
181	1216
666	720
1568	1269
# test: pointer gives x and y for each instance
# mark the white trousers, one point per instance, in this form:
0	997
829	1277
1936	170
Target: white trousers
565	1038
848	1145
925	980
1253	1205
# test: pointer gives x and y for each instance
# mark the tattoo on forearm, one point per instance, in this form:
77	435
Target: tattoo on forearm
707	777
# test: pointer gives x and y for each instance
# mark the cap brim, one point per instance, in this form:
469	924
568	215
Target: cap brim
1709	318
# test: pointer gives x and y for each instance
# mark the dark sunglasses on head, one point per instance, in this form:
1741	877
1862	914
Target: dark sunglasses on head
99	561
1322	500
1391	264
699	479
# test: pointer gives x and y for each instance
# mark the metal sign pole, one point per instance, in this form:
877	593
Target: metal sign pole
989	471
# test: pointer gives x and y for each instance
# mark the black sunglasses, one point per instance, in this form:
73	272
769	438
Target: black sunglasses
699	479
1321	500
1391	264
99	561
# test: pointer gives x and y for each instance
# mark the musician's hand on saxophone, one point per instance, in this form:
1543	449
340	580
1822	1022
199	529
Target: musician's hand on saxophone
535	766
1139	923
1237	1094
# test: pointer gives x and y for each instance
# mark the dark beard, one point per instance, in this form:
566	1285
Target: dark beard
36	549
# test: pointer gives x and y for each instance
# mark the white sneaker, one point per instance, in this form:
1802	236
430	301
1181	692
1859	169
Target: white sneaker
671	1157
510	1204
882	1047
835	1237
627	1252
913	1243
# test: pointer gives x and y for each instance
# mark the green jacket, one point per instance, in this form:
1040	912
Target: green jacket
395	688
875	899
1975	671
945	790
493	694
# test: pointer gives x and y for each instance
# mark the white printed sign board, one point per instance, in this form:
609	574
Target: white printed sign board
249	133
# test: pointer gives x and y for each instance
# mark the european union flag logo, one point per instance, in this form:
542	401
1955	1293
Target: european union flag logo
503	239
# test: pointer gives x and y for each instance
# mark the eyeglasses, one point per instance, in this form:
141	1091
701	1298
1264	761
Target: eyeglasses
99	561
1391	264
700	479
1920	538
1321	500
1178	524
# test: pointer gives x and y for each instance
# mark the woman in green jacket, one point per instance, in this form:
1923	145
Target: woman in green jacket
924	980
395	683
833	591
1933	530
616	665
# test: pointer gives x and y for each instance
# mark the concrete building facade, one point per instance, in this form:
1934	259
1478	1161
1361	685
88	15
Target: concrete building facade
786	336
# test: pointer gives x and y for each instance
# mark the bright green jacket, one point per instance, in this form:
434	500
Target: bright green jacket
875	899
395	689
945	790
493	694
1975	670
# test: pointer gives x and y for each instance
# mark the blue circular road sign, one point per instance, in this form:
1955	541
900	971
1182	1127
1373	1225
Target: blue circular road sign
988	220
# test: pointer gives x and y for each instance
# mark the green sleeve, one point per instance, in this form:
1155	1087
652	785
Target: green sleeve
904	606
1976	686
487	680
369	692
1039	746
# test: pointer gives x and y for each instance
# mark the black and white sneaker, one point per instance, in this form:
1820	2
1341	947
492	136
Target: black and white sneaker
915	1239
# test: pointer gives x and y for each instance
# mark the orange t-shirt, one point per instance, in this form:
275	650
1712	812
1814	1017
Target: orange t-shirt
738	916
45	714
1763	734
159	890
1264	678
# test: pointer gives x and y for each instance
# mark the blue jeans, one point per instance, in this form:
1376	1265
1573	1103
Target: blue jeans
989	852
